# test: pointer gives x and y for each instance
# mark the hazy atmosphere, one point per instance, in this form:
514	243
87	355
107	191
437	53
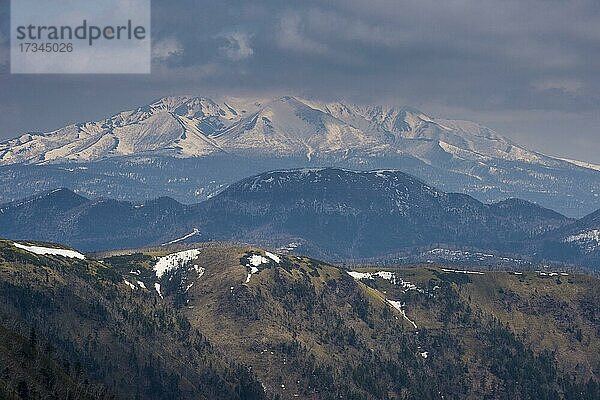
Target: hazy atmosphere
526	68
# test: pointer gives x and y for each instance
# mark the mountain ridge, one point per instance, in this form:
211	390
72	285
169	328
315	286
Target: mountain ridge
171	121
190	147
224	321
326	212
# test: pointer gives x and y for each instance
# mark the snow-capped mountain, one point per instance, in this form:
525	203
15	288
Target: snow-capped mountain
177	126
216	142
196	127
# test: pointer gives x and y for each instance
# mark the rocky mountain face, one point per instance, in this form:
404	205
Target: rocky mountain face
237	322
191	147
330	213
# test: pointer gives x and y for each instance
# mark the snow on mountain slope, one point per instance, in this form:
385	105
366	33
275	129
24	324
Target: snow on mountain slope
175	126
195	126
405	125
589	240
290	126
43	250
583	164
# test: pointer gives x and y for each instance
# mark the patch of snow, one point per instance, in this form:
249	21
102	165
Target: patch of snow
252	271
257	260
157	288
400	307
273	257
387	275
142	284
289	247
589	240
458	255
463	271
189	235
548	273
200	270
48	250
131	285
174	260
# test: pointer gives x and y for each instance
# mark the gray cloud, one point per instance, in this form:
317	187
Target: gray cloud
237	46
564	85
166	49
527	67
290	36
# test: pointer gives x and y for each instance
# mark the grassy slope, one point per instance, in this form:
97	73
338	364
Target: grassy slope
125	344
555	314
338	324
300	327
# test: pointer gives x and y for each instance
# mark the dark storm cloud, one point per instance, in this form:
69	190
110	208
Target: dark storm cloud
527	67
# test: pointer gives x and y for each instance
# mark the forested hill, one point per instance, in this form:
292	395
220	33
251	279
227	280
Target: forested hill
237	322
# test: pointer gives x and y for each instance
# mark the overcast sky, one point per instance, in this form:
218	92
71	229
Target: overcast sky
527	68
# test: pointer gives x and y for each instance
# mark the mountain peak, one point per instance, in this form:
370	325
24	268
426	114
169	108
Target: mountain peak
292	131
59	198
335	184
193	126
169	103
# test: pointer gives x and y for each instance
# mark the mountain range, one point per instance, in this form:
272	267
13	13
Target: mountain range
330	213
190	148
222	321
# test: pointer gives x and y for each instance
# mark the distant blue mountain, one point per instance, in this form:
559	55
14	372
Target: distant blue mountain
332	213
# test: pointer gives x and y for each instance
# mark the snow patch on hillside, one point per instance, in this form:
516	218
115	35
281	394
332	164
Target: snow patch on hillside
273	257
387	275
157	288
131	285
400	307
253	270
589	240
174	261
457	271
253	261
50	251
257	259
194	232
390	276
462	255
